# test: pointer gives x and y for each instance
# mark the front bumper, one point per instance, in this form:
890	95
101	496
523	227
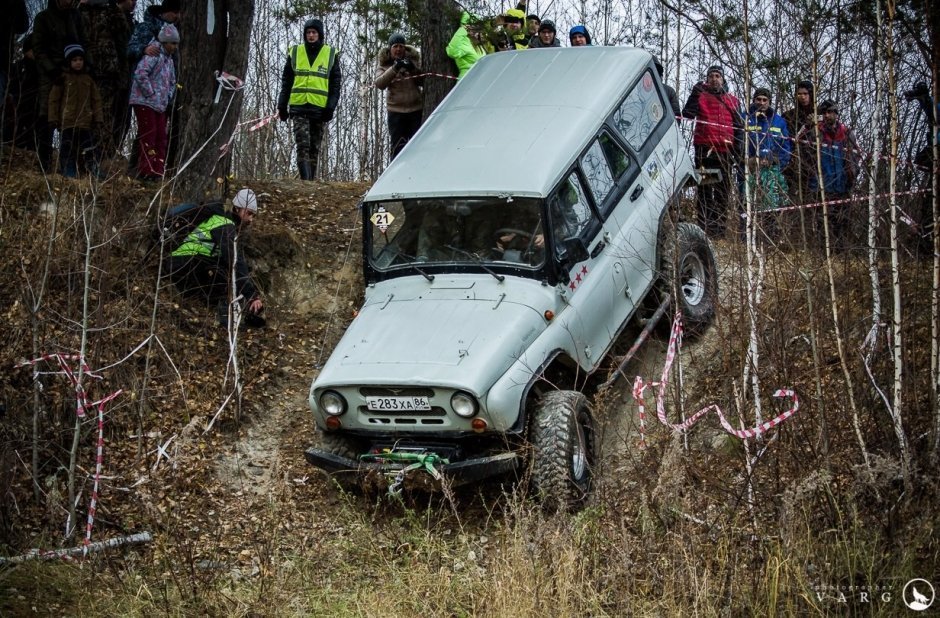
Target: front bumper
379	475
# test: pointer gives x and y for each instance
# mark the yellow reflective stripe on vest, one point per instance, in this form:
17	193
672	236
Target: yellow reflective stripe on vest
311	83
199	241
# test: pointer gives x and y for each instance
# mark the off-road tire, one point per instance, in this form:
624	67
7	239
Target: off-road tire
343	446
563	450
688	273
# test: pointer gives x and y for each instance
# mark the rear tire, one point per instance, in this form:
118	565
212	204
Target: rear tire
689	274
563	450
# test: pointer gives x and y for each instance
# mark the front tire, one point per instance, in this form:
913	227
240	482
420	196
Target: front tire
689	274
343	446
563	450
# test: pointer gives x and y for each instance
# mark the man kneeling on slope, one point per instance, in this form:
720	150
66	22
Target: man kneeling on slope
208	260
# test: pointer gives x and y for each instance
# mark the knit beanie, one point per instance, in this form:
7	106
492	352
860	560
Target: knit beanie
169	34
548	25
72	50
714	69
762	92
397	38
246	198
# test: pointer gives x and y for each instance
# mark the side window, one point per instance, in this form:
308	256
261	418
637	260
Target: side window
640	112
604	164
570	212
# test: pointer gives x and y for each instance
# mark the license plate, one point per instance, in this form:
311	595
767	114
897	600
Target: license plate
397	404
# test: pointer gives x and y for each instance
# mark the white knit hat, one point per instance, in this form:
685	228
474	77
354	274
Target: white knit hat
246	198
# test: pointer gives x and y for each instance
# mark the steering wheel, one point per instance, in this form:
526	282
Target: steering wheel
526	237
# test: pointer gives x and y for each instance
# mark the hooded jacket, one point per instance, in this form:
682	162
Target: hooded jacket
288	75
579	29
108	30
53	29
838	158
404	95
74	102
767	136
145	32
464	50
154	81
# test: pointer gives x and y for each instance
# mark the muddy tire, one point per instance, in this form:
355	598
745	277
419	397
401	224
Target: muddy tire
343	446
563	450
689	274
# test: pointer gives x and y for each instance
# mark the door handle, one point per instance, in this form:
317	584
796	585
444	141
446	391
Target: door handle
597	249
636	193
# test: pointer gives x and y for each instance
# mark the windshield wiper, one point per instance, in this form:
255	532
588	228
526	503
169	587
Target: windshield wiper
476	260
427	276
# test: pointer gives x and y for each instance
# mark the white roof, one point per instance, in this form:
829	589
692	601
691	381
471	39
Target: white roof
513	124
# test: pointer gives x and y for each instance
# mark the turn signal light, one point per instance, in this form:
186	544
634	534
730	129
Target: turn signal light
333	423
549	315
478	425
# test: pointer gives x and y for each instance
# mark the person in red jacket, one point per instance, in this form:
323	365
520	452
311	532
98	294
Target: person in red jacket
718	136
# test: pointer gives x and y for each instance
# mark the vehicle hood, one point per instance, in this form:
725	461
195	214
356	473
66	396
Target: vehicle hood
462	337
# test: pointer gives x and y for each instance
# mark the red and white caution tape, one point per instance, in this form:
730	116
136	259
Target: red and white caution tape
227	81
99	461
81	406
261	122
639	386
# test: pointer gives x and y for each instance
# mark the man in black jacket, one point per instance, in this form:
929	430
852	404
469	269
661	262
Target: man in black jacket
310	87
208	260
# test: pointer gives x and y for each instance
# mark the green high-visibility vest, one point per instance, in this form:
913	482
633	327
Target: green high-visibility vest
199	241
311	83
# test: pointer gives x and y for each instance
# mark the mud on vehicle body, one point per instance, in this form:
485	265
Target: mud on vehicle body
505	250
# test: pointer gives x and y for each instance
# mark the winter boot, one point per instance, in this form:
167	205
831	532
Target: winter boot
304	167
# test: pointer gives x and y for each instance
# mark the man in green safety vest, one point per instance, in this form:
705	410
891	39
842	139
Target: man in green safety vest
208	260
310	87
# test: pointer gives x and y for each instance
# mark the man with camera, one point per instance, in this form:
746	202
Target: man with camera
399	73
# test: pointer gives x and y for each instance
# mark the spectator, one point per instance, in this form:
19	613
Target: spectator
207	261
717	135
310	88
838	160
512	22
108	31
152	90
921	93
75	109
144	39
670	91
467	46
54	28
533	23
801	125
24	93
579	36
15	21
399	66
768	152
546	36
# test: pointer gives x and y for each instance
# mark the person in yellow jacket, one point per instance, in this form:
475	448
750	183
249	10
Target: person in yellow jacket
468	44
310	87
206	263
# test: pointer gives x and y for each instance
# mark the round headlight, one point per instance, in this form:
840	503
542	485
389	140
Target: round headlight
332	403
463	404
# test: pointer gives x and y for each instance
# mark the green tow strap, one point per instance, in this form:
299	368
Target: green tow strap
414	461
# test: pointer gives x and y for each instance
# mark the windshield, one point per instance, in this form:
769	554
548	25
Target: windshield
487	231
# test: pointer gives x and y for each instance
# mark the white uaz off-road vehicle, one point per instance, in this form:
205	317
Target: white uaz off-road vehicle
505	249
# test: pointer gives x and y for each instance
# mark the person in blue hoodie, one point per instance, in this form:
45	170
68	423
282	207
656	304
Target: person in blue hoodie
768	151
579	36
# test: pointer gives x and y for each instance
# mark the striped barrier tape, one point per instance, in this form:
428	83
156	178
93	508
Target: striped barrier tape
82	404
640	386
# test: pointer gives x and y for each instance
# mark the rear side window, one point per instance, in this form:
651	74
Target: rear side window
640	113
570	212
604	164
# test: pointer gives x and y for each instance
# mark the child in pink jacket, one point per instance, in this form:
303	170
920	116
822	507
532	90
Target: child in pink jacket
152	90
